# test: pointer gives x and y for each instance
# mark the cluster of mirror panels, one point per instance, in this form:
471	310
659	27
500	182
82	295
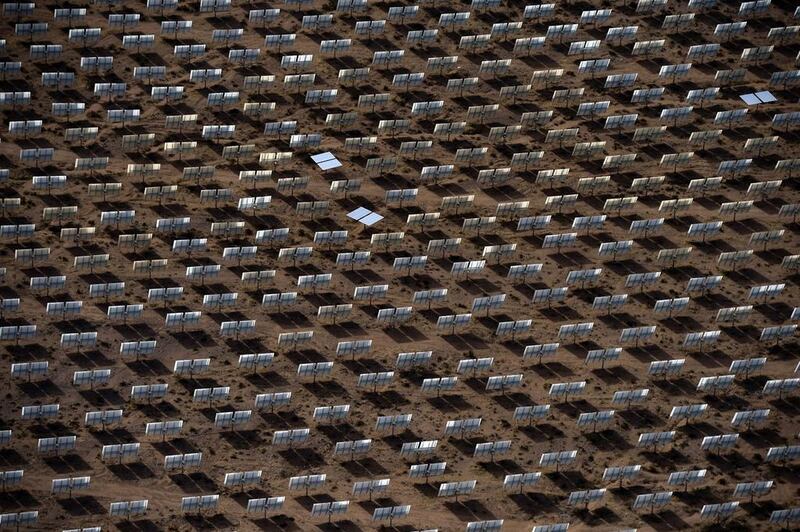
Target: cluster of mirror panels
607	119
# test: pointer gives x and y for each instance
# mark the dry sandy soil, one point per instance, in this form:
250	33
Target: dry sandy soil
250	447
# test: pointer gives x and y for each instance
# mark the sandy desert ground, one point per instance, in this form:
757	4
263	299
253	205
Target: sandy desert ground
250	447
